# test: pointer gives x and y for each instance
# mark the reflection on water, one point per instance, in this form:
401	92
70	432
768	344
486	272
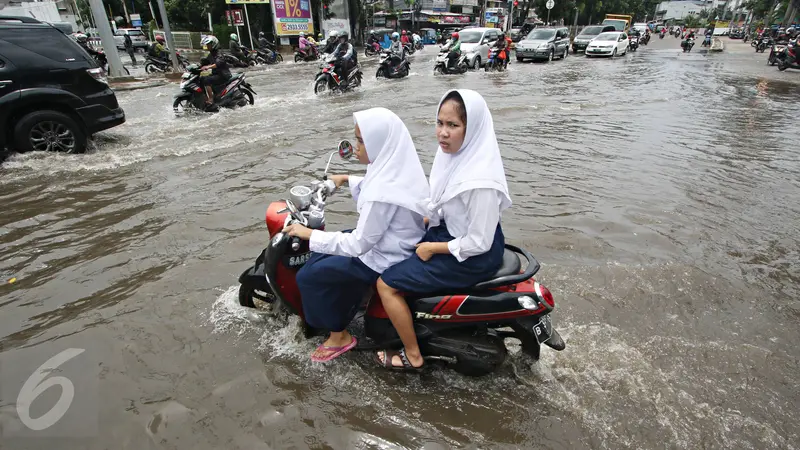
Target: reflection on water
657	190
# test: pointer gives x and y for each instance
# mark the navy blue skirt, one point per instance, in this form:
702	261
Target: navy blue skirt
443	271
332	288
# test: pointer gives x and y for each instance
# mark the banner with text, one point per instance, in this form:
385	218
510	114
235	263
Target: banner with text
292	17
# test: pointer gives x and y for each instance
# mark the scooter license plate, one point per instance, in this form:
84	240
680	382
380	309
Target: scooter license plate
543	330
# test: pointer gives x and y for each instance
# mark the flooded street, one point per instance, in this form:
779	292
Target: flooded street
659	191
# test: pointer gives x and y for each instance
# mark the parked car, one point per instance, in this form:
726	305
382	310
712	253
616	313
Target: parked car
137	37
53	95
611	43
475	43
587	34
544	43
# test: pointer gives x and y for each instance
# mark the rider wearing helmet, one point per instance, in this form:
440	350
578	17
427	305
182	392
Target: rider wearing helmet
265	45
372	39
236	48
220	73
305	47
157	49
397	49
455	50
332	42
83	41
345	57
500	46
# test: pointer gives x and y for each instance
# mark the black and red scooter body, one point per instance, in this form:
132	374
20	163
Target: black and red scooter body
465	329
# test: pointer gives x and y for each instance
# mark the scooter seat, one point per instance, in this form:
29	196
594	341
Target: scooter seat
511	265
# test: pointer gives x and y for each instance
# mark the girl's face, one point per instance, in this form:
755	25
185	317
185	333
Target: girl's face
450	129
361	150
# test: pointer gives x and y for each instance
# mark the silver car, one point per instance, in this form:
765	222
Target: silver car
544	43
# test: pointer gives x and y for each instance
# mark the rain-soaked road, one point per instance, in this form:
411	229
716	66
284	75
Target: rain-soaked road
659	190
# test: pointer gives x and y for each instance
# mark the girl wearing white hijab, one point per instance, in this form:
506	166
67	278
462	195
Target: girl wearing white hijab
390	200
464	244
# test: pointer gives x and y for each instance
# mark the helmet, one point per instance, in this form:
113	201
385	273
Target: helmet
455	35
333	34
160	38
395	35
210	43
81	38
502	36
345	35
234	37
372	32
302	34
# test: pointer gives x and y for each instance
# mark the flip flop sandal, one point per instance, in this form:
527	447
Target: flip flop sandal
337	351
389	356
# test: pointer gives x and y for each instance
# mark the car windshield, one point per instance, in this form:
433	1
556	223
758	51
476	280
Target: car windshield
618	25
470	37
607	37
591	31
541	35
135	33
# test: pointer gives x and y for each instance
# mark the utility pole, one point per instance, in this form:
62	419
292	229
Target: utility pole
170	42
107	38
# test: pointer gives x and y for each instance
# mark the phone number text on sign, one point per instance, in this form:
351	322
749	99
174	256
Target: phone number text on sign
294	28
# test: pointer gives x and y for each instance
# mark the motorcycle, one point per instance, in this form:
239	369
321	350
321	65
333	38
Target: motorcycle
633	43
234	61
236	92
789	60
495	61
385	68
645	39
372	50
158	65
706	41
419	45
463	329
102	61
777	52
410	50
328	80
305	56
267	56
442	68
761	46
661	35
687	45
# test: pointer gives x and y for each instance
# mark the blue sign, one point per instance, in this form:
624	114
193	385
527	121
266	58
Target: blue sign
136	23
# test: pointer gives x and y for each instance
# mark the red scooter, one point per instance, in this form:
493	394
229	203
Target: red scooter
463	329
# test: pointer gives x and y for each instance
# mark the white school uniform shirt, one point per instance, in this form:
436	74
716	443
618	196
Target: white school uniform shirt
468	188
385	235
472	216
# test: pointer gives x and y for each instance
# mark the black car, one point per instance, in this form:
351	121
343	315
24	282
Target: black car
53	96
587	34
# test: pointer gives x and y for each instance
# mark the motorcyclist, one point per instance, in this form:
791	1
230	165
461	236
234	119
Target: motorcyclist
509	44
236	48
372	39
500	47
332	43
454	50
397	50
417	40
345	57
404	38
158	50
83	41
265	45
220	73
305	46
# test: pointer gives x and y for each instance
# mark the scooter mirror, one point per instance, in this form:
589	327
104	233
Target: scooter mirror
345	149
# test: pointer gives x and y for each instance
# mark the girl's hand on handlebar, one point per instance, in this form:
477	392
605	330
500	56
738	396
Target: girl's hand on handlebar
299	231
339	179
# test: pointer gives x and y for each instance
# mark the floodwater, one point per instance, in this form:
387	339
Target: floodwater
658	190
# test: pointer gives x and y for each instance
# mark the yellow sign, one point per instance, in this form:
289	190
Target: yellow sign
245	2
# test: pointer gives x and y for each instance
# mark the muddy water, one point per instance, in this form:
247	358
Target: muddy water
658	190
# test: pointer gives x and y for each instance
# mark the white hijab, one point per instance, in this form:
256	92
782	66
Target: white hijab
394	174
476	165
